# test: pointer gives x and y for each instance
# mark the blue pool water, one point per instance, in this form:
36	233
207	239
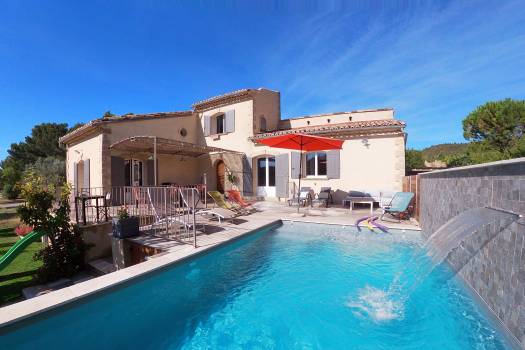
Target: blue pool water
299	286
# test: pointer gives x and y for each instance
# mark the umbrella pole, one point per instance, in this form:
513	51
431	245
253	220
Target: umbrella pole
300	172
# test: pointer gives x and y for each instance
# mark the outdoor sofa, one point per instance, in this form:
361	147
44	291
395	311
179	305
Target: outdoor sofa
383	198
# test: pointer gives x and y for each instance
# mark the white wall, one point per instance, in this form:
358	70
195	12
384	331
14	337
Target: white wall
237	140
89	149
375	163
324	119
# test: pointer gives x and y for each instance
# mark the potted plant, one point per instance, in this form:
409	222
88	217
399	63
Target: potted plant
232	179
125	226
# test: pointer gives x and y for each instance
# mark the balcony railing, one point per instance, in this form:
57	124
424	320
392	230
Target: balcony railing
167	211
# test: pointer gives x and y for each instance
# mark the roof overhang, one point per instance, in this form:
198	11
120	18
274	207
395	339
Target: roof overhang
342	130
148	144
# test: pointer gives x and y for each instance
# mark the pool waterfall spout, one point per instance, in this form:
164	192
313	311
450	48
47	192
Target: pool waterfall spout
452	243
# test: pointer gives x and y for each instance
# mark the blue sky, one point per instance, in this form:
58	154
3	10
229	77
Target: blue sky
433	62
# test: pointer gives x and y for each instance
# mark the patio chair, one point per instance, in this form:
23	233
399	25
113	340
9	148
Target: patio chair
235	196
221	202
324	196
399	206
305	196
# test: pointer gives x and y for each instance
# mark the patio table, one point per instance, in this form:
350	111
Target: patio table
360	200
85	199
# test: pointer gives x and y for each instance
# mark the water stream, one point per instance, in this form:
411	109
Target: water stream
452	237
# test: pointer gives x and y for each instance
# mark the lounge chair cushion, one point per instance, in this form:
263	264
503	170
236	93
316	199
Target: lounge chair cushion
357	194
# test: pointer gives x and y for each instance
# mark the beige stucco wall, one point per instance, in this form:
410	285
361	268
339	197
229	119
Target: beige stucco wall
90	149
237	140
267	104
179	170
374	163
163	127
366	164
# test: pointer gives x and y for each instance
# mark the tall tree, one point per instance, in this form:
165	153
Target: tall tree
42	143
41	147
499	125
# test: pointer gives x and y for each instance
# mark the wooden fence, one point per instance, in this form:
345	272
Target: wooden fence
412	184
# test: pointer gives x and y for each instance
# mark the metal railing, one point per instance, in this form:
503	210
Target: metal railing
165	211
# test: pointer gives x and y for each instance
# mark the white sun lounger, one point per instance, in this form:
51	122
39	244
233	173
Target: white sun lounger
219	213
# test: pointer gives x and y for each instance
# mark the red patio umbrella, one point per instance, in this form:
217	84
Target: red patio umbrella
302	142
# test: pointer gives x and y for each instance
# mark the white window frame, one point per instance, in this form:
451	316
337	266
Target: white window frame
316	167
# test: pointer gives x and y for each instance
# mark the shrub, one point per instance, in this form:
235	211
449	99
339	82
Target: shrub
23	230
64	255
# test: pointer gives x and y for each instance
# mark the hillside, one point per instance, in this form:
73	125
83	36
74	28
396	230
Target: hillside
445	149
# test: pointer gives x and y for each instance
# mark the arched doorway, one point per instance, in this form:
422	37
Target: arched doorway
220	176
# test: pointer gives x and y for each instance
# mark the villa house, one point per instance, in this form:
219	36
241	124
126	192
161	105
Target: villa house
217	138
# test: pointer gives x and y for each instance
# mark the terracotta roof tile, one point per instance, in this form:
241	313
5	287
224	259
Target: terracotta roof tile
125	117
225	98
326	128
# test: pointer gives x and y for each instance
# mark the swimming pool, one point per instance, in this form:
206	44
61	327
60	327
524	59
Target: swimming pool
292	287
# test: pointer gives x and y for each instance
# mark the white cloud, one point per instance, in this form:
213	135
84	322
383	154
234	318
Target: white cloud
432	63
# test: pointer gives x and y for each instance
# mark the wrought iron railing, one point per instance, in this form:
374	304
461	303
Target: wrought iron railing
167	211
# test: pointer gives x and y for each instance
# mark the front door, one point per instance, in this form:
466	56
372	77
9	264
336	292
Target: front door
266	177
220	176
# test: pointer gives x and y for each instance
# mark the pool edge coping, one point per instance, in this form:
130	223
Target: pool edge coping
23	310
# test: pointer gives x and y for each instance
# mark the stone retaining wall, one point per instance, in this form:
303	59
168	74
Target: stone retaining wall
497	271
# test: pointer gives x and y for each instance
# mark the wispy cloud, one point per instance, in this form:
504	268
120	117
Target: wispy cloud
433	63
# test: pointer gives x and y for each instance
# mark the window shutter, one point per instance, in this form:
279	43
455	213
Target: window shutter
75	178
230	121
296	161
247	183
333	168
150	172
86	174
117	171
206	123
281	175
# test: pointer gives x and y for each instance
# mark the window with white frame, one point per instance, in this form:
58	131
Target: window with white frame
315	164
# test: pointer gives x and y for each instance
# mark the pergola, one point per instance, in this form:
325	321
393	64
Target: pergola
157	145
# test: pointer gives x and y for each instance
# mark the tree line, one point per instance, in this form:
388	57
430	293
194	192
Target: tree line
494	131
40	153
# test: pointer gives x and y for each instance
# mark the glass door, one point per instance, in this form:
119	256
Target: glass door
266	177
133	172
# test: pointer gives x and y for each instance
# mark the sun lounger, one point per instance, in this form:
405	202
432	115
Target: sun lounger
221	202
219	213
235	197
399	206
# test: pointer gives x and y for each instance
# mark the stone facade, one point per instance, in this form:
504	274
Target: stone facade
497	271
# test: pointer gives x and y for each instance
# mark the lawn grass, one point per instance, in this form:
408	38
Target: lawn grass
8	218
20	273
